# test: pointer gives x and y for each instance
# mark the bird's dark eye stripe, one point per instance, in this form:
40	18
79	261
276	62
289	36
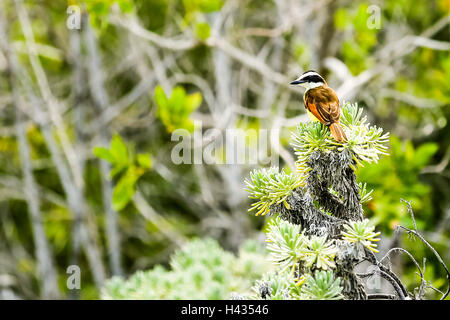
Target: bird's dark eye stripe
314	78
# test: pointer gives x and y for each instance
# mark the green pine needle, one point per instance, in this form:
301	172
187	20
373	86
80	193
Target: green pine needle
366	143
362	232
270	187
364	194
322	286
285	243
319	253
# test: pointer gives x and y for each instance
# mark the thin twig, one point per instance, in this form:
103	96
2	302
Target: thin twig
421	273
100	97
389	278
43	251
50	100
370	256
416	233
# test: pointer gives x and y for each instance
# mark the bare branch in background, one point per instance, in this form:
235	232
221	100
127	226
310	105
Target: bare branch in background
50	100
100	97
44	255
72	190
155	218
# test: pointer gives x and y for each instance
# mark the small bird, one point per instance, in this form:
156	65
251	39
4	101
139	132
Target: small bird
322	102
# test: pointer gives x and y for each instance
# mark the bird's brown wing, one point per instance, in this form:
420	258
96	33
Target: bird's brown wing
323	103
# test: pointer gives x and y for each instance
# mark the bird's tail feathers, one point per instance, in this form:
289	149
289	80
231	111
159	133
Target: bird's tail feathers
337	132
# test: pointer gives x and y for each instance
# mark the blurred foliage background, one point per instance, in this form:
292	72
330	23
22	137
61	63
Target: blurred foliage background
90	92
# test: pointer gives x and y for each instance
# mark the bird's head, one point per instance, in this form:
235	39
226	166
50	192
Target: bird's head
309	79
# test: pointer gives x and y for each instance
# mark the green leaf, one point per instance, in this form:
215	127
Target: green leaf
174	112
341	19
144	160
103	153
126	6
210	5
424	153
205	6
177	102
99	8
202	30
116	170
193	101
160	97
122	194
188	125
119	150
124	190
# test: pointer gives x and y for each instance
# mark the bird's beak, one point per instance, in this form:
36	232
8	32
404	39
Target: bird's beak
297	82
